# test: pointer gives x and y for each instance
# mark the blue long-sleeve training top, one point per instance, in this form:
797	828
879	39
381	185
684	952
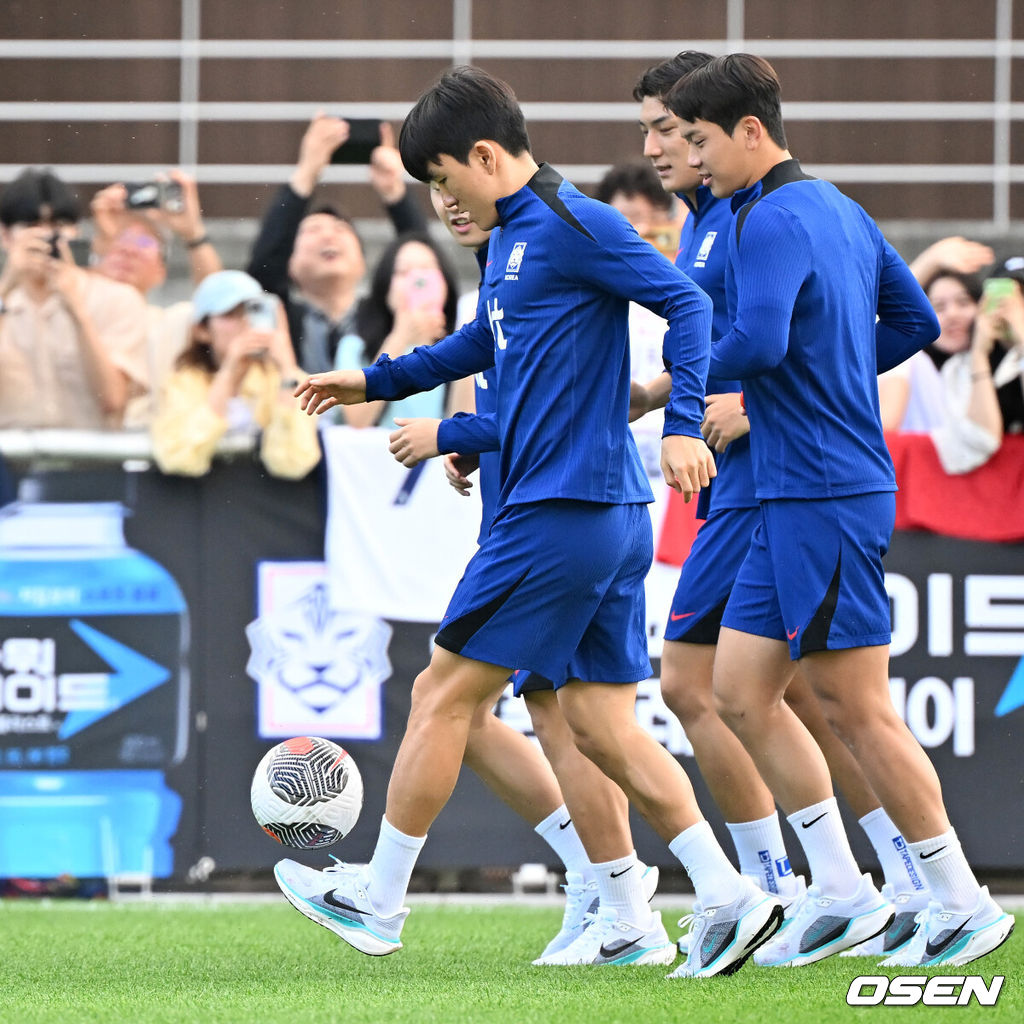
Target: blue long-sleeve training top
821	305
703	256
477	433
561	270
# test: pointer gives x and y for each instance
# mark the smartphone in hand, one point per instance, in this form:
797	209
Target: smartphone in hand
994	290
363	139
424	289
262	313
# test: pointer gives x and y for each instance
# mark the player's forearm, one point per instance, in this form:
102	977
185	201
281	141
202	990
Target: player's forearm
459	355
468	434
686	350
906	321
737	356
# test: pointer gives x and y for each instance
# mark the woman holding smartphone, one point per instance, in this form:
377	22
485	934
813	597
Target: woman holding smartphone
412	301
965	388
235	376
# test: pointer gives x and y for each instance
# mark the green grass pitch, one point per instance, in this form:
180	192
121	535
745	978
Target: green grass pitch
262	963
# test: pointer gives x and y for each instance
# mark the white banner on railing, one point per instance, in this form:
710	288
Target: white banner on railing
397	539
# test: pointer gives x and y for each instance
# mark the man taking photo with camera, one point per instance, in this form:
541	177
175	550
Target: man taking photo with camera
72	343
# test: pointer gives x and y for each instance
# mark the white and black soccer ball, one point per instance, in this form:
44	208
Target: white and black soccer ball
307	792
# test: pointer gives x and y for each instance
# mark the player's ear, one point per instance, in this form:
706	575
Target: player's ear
753	131
485	153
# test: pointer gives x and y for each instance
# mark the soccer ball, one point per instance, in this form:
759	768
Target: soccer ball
307	792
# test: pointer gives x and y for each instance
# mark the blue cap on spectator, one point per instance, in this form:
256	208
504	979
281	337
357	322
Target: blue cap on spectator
221	292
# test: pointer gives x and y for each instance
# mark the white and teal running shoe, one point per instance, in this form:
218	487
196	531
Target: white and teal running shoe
336	898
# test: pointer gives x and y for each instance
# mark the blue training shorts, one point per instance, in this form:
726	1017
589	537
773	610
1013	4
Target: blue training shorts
557	588
813	576
708	575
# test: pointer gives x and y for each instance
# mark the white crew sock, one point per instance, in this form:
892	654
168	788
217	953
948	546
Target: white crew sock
558	831
829	857
619	888
762	854
715	881
945	869
390	868
892	851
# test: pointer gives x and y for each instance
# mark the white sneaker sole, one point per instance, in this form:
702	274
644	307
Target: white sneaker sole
982	942
660	955
358	937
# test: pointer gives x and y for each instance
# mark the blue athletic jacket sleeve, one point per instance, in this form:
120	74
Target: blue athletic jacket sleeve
759	338
906	320
467	351
820	304
776	261
468	434
623	264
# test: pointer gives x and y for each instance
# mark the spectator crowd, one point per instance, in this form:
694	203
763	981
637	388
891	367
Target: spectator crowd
86	344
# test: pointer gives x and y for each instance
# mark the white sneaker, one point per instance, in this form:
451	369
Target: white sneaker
610	941
943	937
722	938
581	906
581	899
336	898
789	903
822	925
906	906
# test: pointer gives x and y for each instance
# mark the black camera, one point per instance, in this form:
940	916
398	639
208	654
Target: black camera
163	195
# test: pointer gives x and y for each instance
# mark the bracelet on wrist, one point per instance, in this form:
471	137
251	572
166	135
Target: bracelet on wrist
196	242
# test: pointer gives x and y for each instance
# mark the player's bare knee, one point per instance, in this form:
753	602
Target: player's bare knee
689	705
438	695
733	711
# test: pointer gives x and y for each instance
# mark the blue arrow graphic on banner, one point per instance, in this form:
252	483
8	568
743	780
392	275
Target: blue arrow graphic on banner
1013	695
132	675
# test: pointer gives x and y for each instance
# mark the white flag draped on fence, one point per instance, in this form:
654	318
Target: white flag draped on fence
397	539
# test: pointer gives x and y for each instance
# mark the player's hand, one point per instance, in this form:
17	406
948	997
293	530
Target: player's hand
324	391
724	420
457	469
687	463
414	441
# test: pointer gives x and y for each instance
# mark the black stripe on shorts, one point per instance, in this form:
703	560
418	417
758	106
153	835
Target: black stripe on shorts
815	636
456	634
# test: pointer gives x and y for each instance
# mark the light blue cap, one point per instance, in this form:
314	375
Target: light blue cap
221	292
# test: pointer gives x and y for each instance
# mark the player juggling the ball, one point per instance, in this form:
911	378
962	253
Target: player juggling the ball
557	585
